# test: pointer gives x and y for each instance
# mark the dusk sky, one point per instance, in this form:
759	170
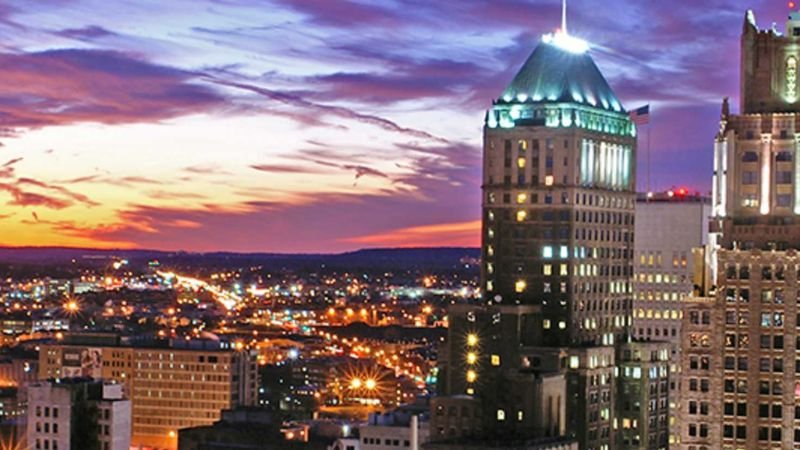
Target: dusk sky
318	125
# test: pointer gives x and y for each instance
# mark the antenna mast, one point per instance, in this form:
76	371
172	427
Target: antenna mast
564	16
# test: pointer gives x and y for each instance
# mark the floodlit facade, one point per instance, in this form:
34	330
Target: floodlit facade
756	199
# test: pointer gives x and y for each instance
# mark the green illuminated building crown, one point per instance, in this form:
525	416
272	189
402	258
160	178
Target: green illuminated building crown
560	86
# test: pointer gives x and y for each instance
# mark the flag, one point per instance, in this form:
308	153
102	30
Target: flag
640	116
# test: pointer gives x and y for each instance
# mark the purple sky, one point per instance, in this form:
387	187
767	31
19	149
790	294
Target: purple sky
318	125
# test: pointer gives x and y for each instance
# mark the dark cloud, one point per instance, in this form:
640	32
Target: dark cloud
285	168
317	108
7	169
66	86
23	198
88	33
57	189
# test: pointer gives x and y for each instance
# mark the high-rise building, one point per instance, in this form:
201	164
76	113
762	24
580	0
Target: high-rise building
67	414
183	384
549	351
669	227
756	199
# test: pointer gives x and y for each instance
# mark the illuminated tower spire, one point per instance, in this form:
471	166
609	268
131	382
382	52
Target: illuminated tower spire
564	16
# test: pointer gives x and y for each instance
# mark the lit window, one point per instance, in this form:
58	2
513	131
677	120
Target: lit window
495	360
522	198
501	415
563	270
471	376
562	325
563	252
547	269
521	215
547	251
470	391
548	180
546	324
520	285
521	163
472	340
519	415
574	362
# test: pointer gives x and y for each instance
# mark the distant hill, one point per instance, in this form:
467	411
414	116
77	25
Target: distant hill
405	258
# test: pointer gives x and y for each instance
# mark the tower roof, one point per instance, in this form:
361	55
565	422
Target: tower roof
560	70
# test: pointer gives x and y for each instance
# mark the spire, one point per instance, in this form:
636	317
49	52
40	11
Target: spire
564	16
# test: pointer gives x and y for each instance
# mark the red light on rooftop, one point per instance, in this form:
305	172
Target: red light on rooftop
682	192
792	5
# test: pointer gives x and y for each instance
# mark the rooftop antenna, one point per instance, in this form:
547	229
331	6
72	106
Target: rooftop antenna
564	16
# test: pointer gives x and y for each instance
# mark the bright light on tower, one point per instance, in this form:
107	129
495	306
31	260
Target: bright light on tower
355	383
472	358
566	42
471	376
472	340
370	384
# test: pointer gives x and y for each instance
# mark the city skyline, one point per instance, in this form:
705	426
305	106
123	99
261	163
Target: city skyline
307	126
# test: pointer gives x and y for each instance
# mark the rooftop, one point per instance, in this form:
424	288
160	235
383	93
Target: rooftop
560	70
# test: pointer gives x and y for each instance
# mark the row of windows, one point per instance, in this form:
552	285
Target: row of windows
657	296
654	259
46	444
765	387
742	272
742	295
46	427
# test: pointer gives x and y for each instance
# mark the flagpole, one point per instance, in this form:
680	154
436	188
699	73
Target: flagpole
649	131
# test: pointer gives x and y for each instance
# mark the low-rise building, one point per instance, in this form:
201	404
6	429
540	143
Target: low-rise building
60	411
161	380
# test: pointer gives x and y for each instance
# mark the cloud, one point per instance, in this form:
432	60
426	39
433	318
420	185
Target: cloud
461	234
87	33
205	170
24	198
65	86
57	189
285	168
342	13
7	170
338	111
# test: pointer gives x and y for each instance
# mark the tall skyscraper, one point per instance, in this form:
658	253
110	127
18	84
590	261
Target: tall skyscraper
756	199
548	353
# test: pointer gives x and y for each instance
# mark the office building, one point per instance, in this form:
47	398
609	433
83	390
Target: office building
170	385
756	199
78	409
669	225
540	358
